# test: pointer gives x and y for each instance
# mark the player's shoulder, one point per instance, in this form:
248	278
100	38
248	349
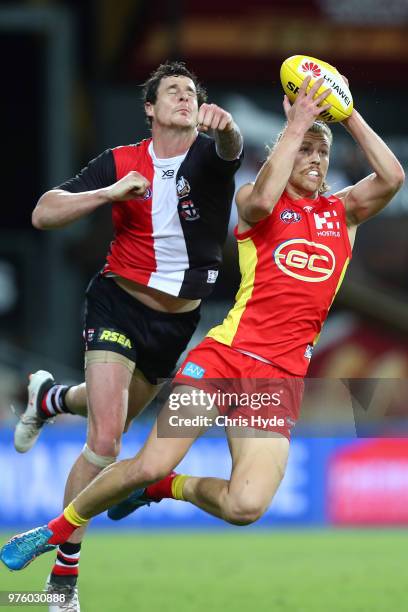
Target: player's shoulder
203	142
335	199
132	157
133	148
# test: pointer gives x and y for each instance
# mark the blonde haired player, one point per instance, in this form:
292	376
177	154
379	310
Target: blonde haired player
294	245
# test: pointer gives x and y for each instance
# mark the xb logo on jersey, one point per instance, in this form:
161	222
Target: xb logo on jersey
307	261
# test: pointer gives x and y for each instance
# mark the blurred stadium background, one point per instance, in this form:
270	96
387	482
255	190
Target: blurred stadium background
71	73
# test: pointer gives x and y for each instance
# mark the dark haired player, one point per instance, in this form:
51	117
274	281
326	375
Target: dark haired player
171	197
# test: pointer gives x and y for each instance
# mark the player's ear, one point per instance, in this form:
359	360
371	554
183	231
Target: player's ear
149	109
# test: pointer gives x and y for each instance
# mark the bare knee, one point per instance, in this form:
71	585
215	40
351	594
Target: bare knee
105	443
242	512
142	472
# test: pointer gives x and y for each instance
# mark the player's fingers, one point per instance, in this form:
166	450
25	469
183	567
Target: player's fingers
224	121
315	87
201	112
323	108
208	117
286	105
345	79
222	118
305	83
320	98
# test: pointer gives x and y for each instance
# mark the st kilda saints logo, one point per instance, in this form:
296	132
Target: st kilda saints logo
189	211
182	187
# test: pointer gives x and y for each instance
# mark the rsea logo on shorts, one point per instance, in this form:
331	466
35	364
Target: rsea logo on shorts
193	370
307	261
110	335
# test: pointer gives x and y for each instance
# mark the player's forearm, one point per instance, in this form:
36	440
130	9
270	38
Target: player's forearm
381	159
57	208
274	174
228	142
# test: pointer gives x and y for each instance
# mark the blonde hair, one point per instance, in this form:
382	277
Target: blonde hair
321	129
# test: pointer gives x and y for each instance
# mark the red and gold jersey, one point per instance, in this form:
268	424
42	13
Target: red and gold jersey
292	264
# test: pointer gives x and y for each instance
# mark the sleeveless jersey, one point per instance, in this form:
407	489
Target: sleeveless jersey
171	239
292	264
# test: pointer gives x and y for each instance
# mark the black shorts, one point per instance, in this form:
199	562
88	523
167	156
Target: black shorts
115	321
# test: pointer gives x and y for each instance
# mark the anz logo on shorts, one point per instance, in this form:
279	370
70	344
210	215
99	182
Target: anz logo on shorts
193	370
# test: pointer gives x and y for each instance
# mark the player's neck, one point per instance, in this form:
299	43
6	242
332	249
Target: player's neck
170	142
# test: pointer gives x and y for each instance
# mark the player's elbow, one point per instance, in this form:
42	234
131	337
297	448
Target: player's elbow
258	208
395	178
398	177
39	216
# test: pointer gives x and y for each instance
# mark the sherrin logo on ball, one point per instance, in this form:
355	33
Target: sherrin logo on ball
296	68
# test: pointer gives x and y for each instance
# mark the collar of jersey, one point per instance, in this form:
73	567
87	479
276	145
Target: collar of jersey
166	161
301	202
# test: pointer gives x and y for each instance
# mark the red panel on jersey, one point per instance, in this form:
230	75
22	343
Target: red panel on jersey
132	254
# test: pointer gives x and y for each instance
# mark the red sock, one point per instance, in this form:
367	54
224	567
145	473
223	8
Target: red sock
162	489
62	530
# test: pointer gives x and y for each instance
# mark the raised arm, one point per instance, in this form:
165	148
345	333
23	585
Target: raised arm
227	136
369	196
256	201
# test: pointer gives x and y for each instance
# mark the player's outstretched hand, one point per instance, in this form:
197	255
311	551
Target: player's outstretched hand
306	108
133	185
213	117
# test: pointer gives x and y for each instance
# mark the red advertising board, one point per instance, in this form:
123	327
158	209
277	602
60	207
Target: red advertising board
367	483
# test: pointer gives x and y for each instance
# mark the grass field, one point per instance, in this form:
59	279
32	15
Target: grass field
251	571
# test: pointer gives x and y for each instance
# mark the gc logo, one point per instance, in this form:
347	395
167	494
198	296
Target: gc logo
307	261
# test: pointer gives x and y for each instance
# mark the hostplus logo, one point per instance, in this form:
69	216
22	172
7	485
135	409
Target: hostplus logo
312	69
327	223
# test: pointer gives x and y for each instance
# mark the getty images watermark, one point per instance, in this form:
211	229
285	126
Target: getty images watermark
197	399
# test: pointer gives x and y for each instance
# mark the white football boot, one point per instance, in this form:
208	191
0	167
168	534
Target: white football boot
69	594
29	426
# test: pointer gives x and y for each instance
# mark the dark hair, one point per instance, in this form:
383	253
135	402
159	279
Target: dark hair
318	127
168	69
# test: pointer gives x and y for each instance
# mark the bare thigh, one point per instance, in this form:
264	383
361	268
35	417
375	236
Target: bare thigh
107	393
141	394
258	466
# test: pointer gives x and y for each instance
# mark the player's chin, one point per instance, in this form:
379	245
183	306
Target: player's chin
185	121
